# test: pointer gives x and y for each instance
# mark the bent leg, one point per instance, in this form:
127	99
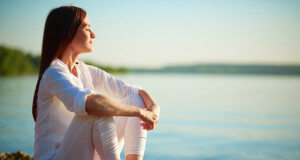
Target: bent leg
87	133
77	142
105	138
130	131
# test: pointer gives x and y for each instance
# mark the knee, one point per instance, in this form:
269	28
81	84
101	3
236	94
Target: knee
134	100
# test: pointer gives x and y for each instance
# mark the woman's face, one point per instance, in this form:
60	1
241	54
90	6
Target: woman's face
83	40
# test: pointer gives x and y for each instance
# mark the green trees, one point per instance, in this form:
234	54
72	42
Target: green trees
17	62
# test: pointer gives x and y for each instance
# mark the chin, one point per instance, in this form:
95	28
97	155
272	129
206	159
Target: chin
90	49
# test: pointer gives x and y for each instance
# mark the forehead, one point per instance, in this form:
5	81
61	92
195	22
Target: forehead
85	22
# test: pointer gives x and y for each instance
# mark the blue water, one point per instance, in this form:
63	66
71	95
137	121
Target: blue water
203	116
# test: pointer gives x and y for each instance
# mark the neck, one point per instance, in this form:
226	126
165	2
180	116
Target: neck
70	58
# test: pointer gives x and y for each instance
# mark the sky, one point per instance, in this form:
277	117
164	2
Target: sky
157	33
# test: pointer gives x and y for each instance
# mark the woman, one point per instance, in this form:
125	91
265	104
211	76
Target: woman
72	121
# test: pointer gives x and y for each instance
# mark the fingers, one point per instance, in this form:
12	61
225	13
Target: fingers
147	126
151	125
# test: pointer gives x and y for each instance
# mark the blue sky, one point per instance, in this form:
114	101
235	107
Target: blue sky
155	33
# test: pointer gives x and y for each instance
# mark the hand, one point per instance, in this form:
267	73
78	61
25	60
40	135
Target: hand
148	119
155	109
152	107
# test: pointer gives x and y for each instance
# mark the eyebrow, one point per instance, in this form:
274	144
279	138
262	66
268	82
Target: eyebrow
86	25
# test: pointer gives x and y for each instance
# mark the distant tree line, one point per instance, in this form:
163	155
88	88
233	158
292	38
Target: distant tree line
17	62
109	69
227	69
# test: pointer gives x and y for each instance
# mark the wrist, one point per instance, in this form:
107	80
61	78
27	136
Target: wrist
154	107
139	112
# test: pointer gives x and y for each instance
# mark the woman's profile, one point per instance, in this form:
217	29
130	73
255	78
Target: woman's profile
72	121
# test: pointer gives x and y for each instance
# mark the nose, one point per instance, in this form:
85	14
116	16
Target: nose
93	34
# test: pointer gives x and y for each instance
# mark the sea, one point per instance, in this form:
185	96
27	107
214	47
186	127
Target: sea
203	116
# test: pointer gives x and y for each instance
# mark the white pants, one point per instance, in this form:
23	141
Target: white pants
105	135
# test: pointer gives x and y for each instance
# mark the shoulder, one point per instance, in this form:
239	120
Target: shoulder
91	68
56	70
82	65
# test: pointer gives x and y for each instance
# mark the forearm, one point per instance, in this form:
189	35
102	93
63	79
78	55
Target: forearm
101	106
148	100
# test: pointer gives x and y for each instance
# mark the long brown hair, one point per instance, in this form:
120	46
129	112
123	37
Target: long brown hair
60	29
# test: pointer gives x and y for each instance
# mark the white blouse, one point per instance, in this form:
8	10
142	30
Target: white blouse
61	95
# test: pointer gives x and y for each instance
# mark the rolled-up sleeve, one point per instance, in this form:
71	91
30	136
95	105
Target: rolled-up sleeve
110	85
72	96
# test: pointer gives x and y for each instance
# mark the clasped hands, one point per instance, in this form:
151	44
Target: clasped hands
150	117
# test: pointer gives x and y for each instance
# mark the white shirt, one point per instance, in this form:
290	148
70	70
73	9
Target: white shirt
61	95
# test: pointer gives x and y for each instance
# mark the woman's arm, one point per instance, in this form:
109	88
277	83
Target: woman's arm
152	106
110	85
102	106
